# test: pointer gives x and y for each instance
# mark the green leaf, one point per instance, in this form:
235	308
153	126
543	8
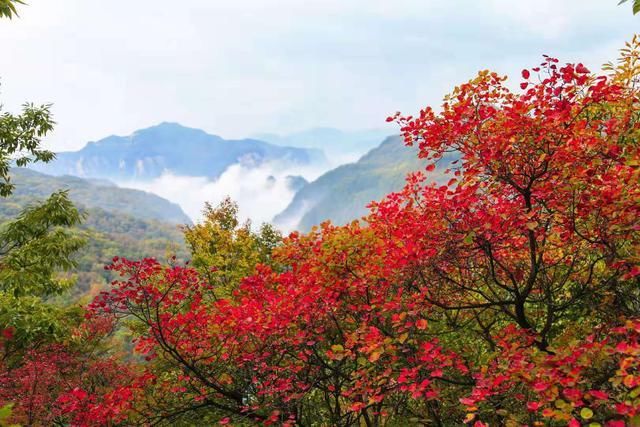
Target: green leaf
586	413
469	237
636	5
8	8
5	412
337	348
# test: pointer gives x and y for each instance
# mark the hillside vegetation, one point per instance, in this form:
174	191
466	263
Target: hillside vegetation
342	194
31	185
116	221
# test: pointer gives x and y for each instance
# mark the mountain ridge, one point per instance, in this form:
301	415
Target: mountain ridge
342	194
147	153
90	193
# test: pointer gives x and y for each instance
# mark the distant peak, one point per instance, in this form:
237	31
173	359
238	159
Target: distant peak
170	124
167	126
169	129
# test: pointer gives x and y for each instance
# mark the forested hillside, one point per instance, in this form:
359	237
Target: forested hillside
342	194
87	193
111	234
116	222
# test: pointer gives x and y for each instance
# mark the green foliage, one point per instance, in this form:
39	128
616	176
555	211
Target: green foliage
8	8
34	247
117	221
224	250
5	416
36	244
113	234
20	138
636	5
39	243
109	234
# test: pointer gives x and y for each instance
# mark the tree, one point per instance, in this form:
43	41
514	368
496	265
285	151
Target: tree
537	232
37	244
224	250
636	5
508	296
33	248
75	382
48	361
20	140
8	8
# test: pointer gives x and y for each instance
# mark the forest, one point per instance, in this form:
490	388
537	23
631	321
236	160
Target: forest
504	293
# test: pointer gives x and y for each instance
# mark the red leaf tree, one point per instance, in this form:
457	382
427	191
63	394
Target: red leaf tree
507	297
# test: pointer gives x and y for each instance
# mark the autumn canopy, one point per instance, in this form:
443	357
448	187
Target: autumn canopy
509	296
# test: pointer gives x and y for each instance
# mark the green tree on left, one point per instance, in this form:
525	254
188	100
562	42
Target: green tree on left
8	8
636	5
37	245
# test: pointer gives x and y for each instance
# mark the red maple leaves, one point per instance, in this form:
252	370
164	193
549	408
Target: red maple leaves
487	299
508	296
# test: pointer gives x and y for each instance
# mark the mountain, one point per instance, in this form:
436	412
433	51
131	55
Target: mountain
127	223
112	233
89	193
342	194
337	144
147	153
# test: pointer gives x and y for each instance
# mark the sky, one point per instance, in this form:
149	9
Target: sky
240	67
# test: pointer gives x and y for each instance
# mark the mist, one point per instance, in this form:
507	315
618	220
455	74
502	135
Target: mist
261	191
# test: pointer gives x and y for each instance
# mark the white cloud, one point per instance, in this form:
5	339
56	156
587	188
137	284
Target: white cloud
261	192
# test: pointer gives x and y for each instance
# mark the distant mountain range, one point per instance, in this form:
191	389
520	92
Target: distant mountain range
171	151
86	193
148	153
342	194
337	144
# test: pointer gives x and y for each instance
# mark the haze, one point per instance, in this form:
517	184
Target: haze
241	67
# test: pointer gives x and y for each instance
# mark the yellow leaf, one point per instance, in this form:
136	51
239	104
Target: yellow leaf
560	403
402	338
469	418
337	348
374	356
628	380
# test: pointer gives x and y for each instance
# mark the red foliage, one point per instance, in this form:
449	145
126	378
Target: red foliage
508	296
452	299
61	383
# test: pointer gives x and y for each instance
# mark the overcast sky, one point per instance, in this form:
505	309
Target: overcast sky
238	67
